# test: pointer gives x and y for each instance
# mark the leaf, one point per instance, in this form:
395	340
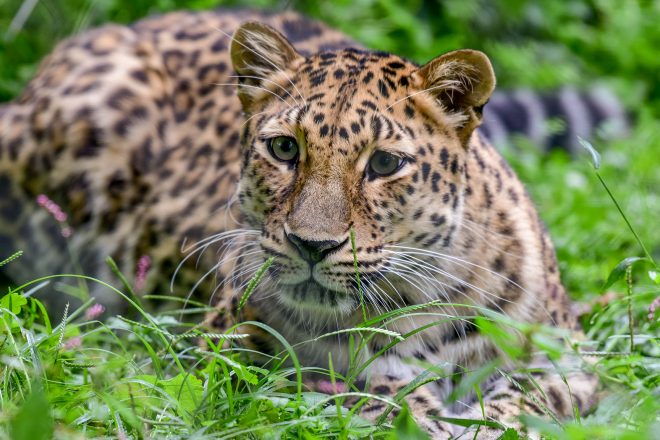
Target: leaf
243	373
655	276
405	427
595	155
620	270
510	434
466	423
472	380
549	345
33	420
13	302
186	389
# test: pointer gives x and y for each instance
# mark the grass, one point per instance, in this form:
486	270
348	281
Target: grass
143	376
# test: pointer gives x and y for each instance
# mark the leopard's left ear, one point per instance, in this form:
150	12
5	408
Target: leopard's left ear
462	81
258	53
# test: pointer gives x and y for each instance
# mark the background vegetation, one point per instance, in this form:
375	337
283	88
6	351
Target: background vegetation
90	386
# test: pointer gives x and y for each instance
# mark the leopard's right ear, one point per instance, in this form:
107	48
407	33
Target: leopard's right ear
259	53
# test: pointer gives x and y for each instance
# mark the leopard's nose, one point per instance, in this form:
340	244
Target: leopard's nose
313	251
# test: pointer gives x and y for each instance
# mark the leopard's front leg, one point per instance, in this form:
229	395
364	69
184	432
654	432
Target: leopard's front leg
548	395
423	404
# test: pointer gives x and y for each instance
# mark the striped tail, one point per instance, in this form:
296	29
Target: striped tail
554	120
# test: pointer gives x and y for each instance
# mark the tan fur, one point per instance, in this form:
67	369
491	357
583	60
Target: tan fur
139	134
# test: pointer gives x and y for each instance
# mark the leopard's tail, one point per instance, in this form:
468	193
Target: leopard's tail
555	119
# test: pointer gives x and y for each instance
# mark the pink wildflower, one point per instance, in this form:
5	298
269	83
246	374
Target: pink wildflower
72	343
141	271
56	212
94	312
655	305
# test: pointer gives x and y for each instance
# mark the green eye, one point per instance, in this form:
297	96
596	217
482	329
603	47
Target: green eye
283	148
383	164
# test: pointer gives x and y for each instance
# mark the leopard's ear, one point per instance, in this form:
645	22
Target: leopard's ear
258	52
462	81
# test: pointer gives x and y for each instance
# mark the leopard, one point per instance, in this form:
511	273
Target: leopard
355	181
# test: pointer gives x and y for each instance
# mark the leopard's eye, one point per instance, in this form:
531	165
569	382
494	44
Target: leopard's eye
283	148
382	164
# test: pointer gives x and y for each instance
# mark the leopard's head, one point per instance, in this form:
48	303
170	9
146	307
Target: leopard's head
352	142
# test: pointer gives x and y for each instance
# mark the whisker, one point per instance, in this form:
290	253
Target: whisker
458	280
258	88
204	243
268	81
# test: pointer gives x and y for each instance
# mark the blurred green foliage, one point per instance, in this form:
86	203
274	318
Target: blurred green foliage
541	44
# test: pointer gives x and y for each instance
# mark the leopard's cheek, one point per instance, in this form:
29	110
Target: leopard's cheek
386	211
264	189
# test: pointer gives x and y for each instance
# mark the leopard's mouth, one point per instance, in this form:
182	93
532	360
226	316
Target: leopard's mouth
309	295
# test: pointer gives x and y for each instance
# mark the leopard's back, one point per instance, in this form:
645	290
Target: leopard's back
134	132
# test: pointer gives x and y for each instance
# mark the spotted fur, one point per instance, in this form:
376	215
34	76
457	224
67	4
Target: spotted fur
147	138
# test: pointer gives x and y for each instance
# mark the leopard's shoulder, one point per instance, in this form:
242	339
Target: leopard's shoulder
134	132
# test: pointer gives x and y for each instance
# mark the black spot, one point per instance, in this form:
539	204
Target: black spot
409	111
435	179
498	264
454	165
173	60
325	56
382	89
420	237
323	132
426	169
419	355
343	133
556	400
140	75
431	241
316	97
115	100
369	104
438	220
374	407
513	196
355	127
368	77
444	157
376	127
139	112
421	400
184	35
203	72
459	330
381	389
219	45
318	79
488	196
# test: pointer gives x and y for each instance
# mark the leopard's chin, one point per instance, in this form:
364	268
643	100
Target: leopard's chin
312	298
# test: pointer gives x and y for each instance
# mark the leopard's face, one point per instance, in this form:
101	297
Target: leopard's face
350	143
